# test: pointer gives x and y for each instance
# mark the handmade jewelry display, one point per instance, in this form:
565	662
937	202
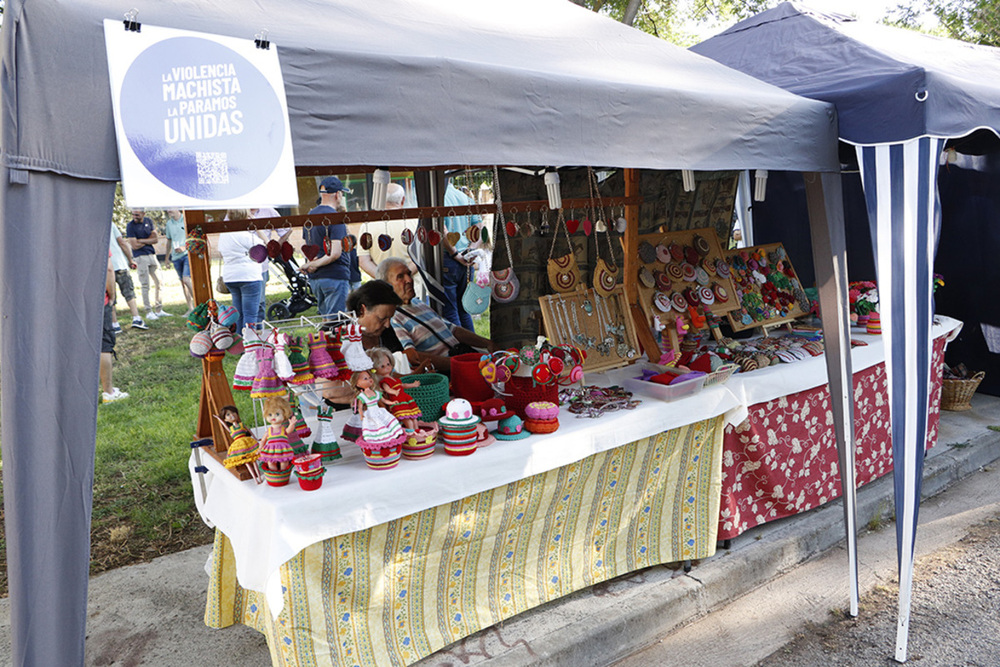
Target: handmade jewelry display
594	323
767	289
680	283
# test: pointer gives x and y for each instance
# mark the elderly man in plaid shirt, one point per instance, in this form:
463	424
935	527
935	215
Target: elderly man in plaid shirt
425	335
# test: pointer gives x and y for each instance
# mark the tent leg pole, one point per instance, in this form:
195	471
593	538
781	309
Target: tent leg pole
826	224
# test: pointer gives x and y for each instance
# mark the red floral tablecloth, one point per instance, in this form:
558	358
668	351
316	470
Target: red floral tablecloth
782	459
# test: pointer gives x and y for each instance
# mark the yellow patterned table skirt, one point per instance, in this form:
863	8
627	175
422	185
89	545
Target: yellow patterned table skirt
399	591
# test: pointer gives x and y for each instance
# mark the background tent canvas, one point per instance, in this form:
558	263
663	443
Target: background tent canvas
390	82
900	96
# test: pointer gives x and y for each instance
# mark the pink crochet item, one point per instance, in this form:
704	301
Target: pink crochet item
541	410
266	383
320	361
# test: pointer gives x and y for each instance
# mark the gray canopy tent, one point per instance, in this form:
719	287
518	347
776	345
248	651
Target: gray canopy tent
418	83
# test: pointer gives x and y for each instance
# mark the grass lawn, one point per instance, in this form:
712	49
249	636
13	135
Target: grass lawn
143	502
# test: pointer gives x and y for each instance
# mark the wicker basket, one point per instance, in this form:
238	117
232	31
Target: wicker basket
431	395
956	394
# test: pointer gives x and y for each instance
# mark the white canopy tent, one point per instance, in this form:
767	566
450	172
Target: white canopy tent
415	83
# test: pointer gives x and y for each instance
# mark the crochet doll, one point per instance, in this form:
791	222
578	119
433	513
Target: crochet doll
276	451
401	404
379	429
243	450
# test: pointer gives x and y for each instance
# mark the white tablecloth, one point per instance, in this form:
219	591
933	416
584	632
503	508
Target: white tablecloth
269	525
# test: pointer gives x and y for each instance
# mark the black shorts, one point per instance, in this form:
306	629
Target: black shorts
108	336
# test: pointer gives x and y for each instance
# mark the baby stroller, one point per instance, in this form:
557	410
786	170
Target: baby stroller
301	298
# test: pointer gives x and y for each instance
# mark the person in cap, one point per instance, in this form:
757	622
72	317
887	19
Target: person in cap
330	272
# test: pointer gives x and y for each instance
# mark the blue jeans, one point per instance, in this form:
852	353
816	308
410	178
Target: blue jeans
246	301
182	266
330	293
454	278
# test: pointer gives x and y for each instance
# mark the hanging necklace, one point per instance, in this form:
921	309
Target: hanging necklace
603	347
624	349
580	337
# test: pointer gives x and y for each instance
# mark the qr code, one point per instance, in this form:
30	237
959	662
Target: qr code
213	168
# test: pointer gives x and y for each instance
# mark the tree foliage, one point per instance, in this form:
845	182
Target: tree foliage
673	19
971	21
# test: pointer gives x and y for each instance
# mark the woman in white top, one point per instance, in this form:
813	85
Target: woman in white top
242	275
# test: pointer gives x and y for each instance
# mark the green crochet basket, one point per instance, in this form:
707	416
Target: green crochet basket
431	396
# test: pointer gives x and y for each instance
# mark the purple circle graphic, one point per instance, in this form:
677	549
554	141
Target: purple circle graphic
201	118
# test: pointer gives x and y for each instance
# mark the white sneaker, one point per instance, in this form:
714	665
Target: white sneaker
162	313
115	395
151	316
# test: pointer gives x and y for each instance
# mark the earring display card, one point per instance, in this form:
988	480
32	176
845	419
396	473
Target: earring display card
682	270
600	326
768	291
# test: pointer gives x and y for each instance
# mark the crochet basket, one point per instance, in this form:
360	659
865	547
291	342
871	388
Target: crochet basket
431	395
523	390
956	394
467	381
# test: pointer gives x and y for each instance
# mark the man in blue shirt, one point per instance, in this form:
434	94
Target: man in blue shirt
455	268
142	237
330	273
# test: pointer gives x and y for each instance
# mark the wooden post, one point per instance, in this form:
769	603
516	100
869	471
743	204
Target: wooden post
630	243
215	390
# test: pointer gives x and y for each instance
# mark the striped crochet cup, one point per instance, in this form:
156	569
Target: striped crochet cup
459	440
277	477
420	445
385	458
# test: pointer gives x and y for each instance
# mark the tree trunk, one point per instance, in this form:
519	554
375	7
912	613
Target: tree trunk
630	12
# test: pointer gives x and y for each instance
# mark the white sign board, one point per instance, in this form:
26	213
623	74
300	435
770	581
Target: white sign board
201	120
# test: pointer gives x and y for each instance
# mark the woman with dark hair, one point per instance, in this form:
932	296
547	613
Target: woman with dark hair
375	303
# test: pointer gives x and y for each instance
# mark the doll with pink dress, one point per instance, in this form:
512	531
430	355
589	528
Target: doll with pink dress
276	452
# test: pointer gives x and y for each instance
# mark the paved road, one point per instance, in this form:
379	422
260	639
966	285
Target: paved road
955	615
797	619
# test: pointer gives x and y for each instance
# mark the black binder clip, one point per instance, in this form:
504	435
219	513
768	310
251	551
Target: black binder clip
131	24
260	39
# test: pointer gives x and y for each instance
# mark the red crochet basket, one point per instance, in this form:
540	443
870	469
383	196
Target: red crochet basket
524	391
466	380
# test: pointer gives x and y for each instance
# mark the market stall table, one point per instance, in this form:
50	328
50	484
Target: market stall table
782	458
385	567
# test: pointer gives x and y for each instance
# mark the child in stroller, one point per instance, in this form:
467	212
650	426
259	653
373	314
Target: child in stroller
301	298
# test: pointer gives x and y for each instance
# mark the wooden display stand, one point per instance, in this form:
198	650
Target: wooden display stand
772	319
215	390
562	312
670	284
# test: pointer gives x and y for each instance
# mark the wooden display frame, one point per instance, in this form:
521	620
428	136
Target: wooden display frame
617	305
646	294
795	310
